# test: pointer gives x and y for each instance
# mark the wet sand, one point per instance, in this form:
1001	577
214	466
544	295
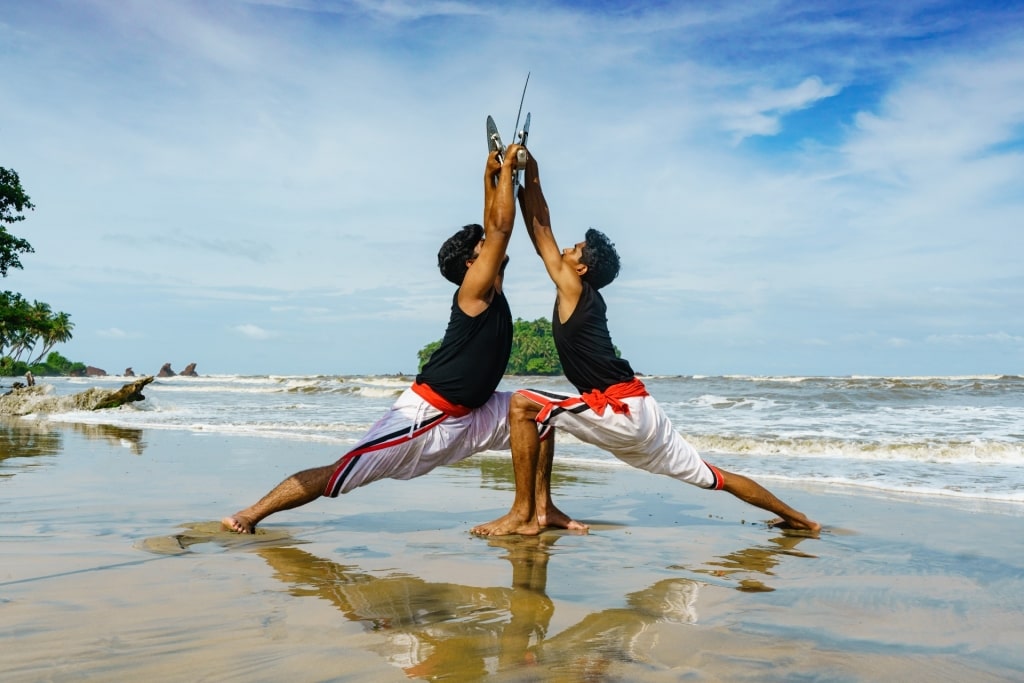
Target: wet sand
113	568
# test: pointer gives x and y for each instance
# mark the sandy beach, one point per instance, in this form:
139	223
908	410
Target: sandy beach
112	568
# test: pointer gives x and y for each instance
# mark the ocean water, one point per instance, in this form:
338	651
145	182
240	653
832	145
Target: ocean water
951	438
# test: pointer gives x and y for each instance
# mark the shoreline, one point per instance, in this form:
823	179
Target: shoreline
386	583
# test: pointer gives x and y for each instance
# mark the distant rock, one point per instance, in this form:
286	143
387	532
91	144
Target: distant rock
128	372
90	371
190	371
166	371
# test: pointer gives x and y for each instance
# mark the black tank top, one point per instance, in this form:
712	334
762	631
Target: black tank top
585	347
473	355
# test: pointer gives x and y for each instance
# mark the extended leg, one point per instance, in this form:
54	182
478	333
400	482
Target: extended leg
298	489
751	492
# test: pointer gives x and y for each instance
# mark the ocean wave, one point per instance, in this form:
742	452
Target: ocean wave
729	402
1001	452
960	492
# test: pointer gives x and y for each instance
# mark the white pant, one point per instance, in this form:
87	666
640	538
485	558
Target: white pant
644	438
414	437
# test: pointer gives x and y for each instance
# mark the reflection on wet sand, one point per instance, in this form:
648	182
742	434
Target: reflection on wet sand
497	474
25	438
125	437
448	630
760	559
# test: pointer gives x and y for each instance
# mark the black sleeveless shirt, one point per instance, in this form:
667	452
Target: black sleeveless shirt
473	355
585	347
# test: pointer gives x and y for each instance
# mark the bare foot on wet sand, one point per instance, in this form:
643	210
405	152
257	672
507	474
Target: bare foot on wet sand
553	517
238	523
508	525
512	523
795	524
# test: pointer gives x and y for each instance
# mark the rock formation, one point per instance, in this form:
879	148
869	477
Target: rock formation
38	399
90	371
166	371
189	371
128	372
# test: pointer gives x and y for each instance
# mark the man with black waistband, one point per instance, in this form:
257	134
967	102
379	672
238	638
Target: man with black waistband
452	410
613	410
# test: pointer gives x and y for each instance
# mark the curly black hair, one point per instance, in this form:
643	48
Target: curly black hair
600	258
458	249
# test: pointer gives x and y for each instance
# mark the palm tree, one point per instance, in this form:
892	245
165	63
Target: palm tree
34	329
58	331
14	315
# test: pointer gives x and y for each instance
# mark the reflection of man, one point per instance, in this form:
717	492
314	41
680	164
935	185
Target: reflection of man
430	629
447	630
614	410
452	410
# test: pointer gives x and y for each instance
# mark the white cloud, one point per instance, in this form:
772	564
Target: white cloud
254	331
761	112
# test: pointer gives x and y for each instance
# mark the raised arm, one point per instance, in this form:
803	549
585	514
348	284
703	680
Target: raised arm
538	225
485	274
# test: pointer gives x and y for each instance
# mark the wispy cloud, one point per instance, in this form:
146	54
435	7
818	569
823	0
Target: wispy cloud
254	331
762	113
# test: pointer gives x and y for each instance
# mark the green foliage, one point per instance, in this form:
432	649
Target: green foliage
28	331
54	366
13	201
57	364
426	352
12	368
533	349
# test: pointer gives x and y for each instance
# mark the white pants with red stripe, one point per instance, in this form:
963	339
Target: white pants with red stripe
414	437
644	438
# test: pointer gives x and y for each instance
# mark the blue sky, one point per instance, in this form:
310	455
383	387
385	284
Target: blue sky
261	186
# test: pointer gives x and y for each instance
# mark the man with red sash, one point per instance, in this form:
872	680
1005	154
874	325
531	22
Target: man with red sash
613	409
452	410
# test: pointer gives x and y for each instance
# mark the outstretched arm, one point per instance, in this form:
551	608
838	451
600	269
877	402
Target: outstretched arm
538	225
484	275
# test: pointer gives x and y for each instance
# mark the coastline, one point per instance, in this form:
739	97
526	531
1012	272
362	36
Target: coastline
386	583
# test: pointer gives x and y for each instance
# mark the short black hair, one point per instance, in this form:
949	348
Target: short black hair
458	249
600	258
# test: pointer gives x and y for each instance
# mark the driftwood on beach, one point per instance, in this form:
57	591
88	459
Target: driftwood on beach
39	398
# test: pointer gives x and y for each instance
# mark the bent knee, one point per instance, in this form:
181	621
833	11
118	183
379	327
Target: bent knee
522	408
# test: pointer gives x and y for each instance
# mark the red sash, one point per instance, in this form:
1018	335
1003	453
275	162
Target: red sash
441	403
611	397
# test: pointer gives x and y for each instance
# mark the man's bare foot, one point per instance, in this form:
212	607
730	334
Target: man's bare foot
801	523
507	525
238	523
553	517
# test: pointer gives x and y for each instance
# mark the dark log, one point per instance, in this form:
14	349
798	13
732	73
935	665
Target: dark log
39	398
128	393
